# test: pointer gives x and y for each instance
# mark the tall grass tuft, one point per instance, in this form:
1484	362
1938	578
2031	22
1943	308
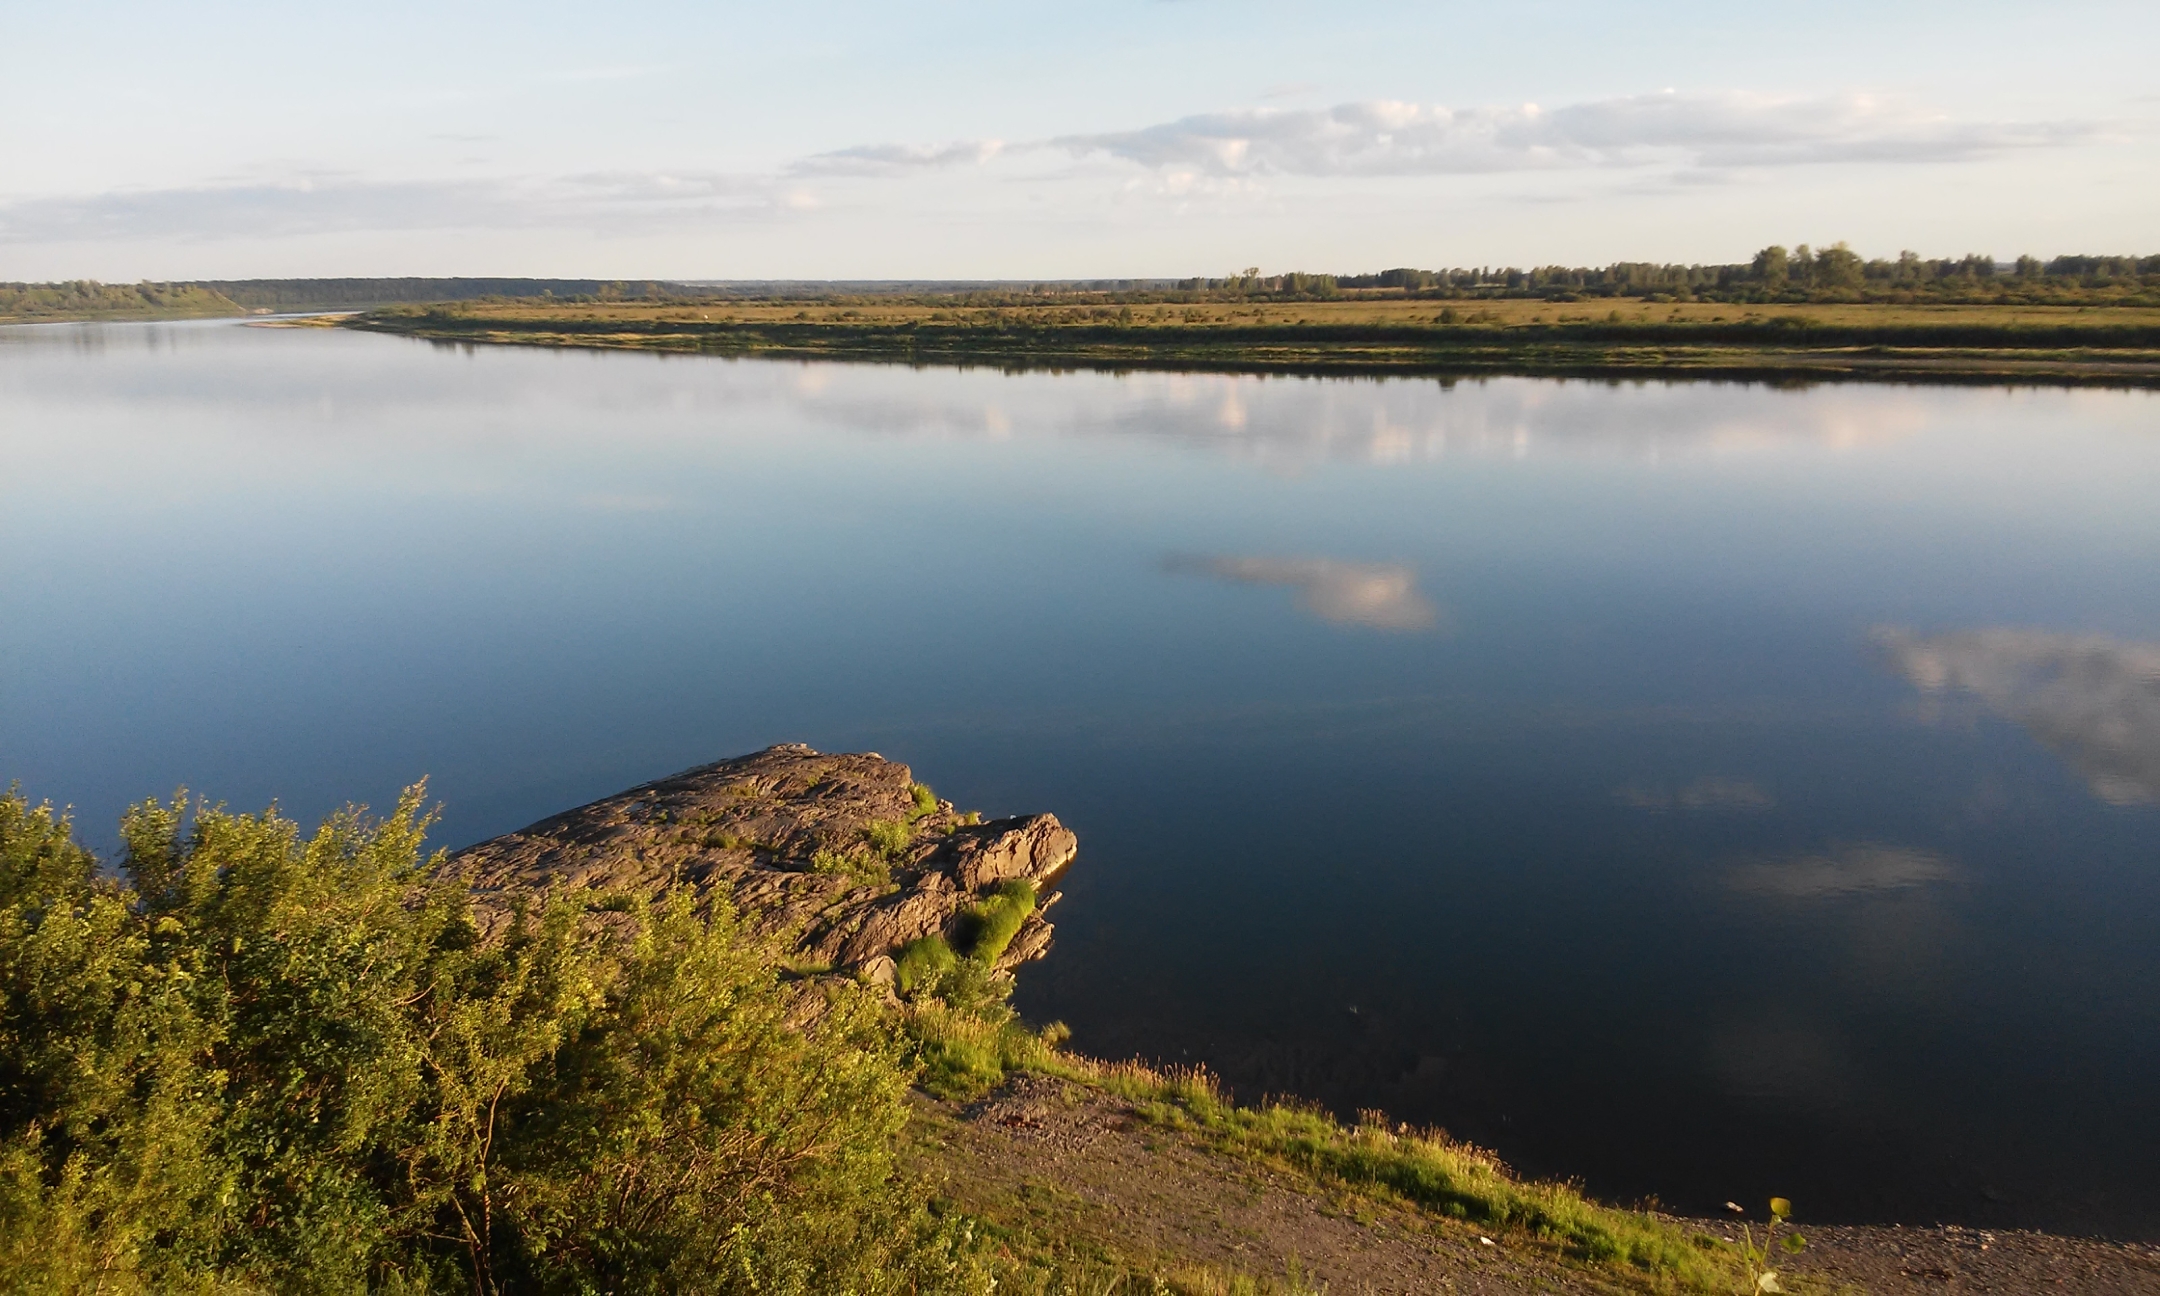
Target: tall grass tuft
965	1054
925	801
923	962
992	922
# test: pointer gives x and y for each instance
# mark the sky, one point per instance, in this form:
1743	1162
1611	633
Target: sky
1038	141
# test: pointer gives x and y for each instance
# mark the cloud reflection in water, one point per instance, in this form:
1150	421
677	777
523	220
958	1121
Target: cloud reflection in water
1706	793
1863	868
1379	596
2093	700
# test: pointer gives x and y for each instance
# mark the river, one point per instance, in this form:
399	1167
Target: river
1704	790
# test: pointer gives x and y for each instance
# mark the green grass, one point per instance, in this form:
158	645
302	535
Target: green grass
856	863
965	1052
1423	1168
992	923
922	962
925	802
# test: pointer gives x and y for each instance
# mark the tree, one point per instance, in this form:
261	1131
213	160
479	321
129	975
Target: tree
1771	268
1838	268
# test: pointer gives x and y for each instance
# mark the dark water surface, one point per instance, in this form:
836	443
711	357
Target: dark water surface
1704	790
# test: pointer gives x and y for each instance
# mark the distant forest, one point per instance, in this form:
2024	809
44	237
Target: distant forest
1802	274
1775	274
88	299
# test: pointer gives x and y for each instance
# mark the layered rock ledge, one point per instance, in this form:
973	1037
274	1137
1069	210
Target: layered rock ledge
841	859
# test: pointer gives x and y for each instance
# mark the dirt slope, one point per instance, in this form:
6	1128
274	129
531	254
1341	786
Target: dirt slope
1061	1162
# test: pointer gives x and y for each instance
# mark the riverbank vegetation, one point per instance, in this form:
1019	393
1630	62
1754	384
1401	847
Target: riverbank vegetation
1774	277
86	299
249	1059
254	1060
1399	333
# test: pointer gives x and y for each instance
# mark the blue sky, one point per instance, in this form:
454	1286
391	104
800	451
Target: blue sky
1041	140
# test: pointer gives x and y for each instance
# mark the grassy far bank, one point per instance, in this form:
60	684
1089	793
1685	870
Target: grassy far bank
1401	334
251	1059
85	299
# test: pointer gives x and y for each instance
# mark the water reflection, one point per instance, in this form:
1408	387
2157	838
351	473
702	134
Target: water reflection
1706	793
1291	423
1634	846
1286	424
1851	870
2091	699
1378	596
1784	1061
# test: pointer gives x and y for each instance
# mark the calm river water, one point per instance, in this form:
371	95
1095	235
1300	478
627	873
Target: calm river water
1704	790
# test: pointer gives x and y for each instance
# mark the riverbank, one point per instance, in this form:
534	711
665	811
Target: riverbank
87	301
1073	1170
693	1013
2035	345
1079	1170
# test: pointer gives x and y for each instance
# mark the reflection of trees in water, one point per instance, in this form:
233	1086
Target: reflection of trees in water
2093	700
1291	421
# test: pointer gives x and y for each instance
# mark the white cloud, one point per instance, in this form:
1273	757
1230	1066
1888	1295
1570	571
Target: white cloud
2093	700
1663	140
898	159
317	205
1717	131
1375	595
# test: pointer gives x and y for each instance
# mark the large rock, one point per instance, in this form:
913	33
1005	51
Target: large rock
784	835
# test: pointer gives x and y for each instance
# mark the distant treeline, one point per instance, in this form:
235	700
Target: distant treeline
88	299
340	294
1835	273
1775	274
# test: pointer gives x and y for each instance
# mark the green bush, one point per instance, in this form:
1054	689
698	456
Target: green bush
888	837
855	862
261	1062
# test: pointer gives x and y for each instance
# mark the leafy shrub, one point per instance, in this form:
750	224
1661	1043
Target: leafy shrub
261	1062
888	837
854	863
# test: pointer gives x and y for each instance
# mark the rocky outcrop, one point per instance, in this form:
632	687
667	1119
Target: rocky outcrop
837	857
